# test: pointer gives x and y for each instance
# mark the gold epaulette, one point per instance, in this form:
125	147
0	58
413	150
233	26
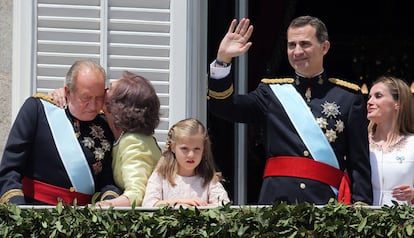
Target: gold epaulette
221	95
277	81
345	84
44	97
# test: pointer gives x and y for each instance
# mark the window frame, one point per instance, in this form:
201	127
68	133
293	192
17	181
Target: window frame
188	53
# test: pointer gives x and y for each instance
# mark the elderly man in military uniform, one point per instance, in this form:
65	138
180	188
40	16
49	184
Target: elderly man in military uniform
58	154
315	136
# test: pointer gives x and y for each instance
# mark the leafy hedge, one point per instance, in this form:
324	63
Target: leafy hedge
279	220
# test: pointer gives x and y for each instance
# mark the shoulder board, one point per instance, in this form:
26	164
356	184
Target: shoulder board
344	84
277	81
44	97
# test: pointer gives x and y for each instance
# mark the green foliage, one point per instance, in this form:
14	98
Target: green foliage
279	220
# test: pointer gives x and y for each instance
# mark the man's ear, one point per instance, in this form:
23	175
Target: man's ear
325	46
67	91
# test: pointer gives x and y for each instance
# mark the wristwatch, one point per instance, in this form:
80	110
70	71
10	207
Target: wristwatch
222	64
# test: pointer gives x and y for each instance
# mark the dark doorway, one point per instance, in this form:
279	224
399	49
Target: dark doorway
368	39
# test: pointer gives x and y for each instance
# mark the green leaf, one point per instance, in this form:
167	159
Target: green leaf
362	224
409	230
59	207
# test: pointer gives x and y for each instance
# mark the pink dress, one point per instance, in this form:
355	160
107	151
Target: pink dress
160	189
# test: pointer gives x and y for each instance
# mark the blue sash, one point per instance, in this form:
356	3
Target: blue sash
305	124
69	149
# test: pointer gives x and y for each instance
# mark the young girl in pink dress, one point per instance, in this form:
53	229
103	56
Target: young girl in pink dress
185	174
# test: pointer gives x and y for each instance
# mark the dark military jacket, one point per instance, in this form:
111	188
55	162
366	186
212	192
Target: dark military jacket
340	110
30	152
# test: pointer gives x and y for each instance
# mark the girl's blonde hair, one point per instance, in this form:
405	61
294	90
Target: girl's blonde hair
168	166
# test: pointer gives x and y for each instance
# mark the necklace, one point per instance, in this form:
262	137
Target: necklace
386	146
119	138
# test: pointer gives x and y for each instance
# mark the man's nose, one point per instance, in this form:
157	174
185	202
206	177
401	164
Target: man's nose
94	104
298	49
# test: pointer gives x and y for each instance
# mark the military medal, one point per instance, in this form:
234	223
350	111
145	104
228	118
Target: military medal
331	110
330	135
320	79
339	125
322	122
77	127
308	94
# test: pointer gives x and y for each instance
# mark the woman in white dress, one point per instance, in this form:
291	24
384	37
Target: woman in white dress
391	114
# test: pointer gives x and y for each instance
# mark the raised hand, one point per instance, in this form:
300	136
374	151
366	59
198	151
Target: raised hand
236	41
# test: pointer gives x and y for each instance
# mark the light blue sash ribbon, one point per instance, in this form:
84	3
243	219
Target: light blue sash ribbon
305	124
69	149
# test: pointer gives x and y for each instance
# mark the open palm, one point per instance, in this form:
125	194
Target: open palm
235	42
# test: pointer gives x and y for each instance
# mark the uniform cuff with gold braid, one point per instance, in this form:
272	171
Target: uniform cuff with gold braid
222	64
109	195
